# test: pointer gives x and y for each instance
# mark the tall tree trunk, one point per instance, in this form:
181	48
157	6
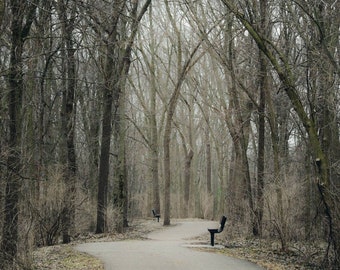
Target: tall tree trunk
68	119
167	133
120	178
110	89
104	159
326	119
257	226
23	15
154	152
152	119
275	121
208	159
119	118
240	130
182	70
116	70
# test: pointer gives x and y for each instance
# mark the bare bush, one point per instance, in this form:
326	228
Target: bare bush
85	215
283	218
207	205
49	206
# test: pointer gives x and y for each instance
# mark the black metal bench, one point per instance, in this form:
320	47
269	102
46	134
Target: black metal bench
155	215
220	229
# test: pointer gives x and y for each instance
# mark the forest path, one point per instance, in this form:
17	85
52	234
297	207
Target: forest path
167	249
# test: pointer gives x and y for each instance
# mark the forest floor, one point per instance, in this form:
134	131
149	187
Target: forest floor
262	252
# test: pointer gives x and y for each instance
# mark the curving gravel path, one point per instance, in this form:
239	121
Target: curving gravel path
165	250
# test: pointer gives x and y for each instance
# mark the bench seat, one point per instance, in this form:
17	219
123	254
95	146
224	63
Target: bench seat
155	215
219	230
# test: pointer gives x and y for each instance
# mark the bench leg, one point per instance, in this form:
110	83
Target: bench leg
157	219
212	239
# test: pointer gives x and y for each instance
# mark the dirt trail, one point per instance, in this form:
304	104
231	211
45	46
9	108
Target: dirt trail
166	249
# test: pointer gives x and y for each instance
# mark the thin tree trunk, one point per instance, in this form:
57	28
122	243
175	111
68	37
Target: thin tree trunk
104	159
208	160
182	71
187	180
154	154
154	138
275	138
167	133
68	120
257	226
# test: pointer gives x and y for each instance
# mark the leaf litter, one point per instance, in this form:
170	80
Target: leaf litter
262	252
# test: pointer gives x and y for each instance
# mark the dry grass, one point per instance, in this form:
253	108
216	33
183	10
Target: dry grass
263	253
65	257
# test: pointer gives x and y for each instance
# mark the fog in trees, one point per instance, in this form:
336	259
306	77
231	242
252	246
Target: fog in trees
110	109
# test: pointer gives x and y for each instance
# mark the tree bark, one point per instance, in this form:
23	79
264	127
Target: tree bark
187	180
68	119
104	159
239	130
116	70
167	133
257	226
208	160
154	147
119	118
188	155
23	15
285	74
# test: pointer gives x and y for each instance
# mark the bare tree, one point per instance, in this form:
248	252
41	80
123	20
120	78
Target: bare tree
284	71
182	71
150	103
22	17
263	85
115	70
68	111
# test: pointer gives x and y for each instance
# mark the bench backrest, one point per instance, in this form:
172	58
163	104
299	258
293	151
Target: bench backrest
222	223
154	212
